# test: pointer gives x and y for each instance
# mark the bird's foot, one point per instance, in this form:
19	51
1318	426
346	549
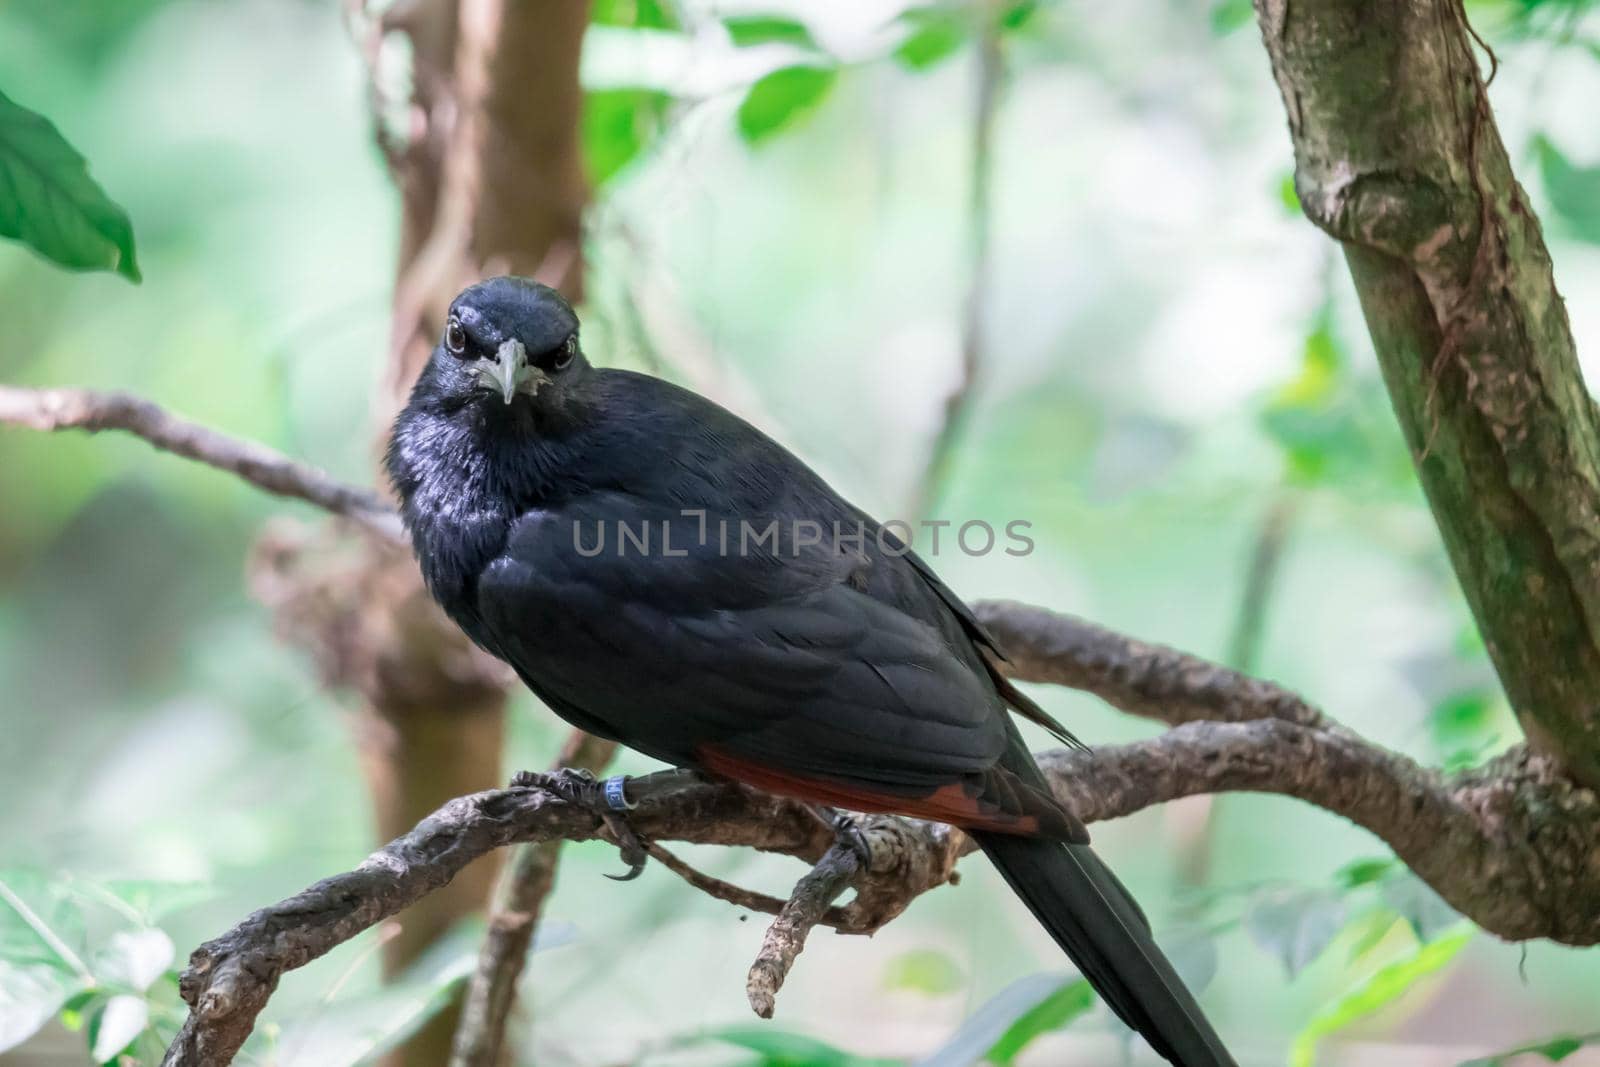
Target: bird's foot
846	831
607	800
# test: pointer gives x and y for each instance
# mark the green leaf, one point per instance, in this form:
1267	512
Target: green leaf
923	970
1384	987
1294	924
1230	15
1321	362
1419	905
936	34
1052	1013
1574	191
638	14
749	30
780	1048
1192	951
1330	427
1363	872
617	124
1554	1049
1461	716
1017	15
30	994
72	1011
358	1029
1012	1018
116	1026
1288	195
152	899
49	202
782	97
39	924
1368	932
134	959
1463	726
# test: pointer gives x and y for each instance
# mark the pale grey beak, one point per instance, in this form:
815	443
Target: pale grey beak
509	373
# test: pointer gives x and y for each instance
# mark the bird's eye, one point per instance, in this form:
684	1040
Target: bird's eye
455	338
565	353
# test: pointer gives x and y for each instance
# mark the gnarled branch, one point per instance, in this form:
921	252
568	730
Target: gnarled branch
92	411
1510	845
1398	158
524	885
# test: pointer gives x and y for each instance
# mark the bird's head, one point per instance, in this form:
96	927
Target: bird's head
508	341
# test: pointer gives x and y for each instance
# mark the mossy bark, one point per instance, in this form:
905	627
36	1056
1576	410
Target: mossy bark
1398	158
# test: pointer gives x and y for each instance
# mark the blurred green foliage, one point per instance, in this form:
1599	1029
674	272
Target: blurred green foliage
635	14
781	97
781	196
51	204
936	34
1553	1049
1384	986
746	30
617	125
92	954
778	1048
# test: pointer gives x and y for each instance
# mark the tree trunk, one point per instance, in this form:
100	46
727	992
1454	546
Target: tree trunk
1398	158
491	182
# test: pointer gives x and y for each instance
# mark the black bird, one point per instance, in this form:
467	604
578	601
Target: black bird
611	537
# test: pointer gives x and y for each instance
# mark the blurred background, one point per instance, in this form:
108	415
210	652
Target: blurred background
1175	390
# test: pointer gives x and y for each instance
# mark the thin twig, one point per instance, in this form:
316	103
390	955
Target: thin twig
524	887
1471	837
92	411
1043	646
786	937
1244	645
1138	677
980	212
1192	824
711	886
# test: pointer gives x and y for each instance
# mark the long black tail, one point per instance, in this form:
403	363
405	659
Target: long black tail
1096	922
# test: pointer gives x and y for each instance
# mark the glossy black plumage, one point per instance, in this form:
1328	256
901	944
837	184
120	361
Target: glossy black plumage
838	671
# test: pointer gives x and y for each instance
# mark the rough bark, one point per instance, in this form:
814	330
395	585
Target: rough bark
1397	157
1512	845
529	878
490	179
94	411
1138	677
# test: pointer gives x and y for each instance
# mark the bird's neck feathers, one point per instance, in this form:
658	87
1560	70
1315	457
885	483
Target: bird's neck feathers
463	477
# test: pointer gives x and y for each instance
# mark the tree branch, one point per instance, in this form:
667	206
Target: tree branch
1134	676
1192	826
786	937
264	468
980	214
1140	678
1398	158
527	881
1510	845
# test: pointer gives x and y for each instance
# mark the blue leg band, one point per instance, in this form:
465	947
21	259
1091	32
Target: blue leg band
616	798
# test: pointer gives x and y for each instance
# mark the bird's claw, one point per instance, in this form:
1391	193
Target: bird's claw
635	853
573	784
607	800
847	831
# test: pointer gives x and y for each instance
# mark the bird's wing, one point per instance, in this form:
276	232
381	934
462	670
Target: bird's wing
907	576
776	669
